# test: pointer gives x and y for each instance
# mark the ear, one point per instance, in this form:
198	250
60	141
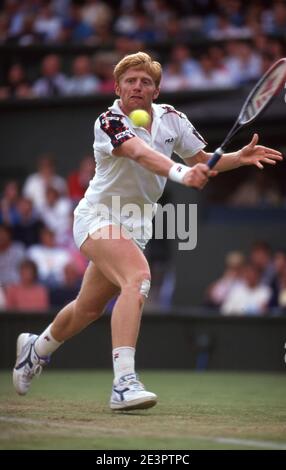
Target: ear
156	93
117	89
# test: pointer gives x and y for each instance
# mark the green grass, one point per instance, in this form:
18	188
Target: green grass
69	410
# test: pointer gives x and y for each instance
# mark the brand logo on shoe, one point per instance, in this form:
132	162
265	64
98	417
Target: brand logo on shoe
127	378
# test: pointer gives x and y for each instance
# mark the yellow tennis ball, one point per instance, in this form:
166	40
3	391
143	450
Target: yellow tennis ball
140	117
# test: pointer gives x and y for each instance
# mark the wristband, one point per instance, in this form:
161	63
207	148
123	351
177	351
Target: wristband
177	172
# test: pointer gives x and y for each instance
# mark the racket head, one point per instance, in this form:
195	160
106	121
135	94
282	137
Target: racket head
264	91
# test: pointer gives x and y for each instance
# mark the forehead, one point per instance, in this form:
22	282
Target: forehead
136	72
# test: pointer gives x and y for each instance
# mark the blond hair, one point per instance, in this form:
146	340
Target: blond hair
141	60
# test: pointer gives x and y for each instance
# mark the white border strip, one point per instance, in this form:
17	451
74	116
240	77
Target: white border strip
219	440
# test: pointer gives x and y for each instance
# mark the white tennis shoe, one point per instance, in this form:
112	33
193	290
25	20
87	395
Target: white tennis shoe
130	394
28	363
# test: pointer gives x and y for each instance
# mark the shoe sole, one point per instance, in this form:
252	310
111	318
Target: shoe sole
19	346
134	405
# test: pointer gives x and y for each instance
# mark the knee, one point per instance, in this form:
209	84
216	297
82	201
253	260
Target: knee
139	284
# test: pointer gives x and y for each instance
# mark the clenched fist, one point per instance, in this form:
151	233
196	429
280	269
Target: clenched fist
198	176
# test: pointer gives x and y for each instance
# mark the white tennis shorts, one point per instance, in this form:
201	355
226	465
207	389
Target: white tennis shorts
89	218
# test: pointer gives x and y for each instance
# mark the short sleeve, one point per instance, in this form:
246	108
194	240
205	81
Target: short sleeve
110	131
189	141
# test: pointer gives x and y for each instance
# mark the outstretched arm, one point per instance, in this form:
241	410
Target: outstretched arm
136	149
251	154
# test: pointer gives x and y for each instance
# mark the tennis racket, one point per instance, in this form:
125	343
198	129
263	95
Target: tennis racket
257	101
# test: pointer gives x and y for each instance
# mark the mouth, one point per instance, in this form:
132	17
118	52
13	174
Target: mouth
135	97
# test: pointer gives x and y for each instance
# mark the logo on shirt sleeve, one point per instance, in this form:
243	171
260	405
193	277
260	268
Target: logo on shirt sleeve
113	125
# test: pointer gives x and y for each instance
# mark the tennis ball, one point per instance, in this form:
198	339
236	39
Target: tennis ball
140	117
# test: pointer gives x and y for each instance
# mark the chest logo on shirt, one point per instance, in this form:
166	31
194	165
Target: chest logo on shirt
170	140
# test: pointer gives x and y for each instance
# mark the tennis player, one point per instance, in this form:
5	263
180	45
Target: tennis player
133	164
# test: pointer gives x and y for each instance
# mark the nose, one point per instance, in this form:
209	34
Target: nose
138	84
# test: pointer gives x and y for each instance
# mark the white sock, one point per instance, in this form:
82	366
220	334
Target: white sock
46	343
123	361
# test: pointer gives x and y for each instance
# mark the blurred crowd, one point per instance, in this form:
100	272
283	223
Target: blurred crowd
240	41
251	285
40	266
251	190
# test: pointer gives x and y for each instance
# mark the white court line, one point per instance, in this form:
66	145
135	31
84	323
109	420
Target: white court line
249	442
219	440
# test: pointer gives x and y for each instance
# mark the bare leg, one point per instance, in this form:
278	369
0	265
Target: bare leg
123	263
95	293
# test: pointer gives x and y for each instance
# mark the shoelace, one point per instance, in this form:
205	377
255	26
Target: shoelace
136	385
35	371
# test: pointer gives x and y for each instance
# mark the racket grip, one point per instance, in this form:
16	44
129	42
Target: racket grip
215	157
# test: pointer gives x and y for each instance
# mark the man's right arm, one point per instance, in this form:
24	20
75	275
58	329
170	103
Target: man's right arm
136	149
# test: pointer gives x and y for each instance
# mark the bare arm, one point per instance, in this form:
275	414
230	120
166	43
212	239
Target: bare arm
136	149
251	154
229	161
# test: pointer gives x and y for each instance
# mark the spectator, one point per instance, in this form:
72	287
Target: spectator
274	20
208	76
28	294
218	291
28	225
75	29
53	82
144	31
243	62
8	203
176	30
224	29
47	24
217	56
56	214
36	184
249	297
83	82
68	290
173	78
27	36
17	85
103	66
78	180
181	54
161	11
256	191
96	13
261	258
49	258
11	254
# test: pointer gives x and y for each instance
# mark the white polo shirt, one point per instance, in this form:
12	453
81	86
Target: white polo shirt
135	189
171	132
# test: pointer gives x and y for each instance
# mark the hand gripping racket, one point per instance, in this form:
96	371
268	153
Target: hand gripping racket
257	101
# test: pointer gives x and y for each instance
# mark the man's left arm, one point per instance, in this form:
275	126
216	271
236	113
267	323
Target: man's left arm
251	154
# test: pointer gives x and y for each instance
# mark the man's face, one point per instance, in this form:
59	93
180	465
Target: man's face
137	90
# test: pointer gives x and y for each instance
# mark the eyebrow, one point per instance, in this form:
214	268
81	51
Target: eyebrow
142	78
